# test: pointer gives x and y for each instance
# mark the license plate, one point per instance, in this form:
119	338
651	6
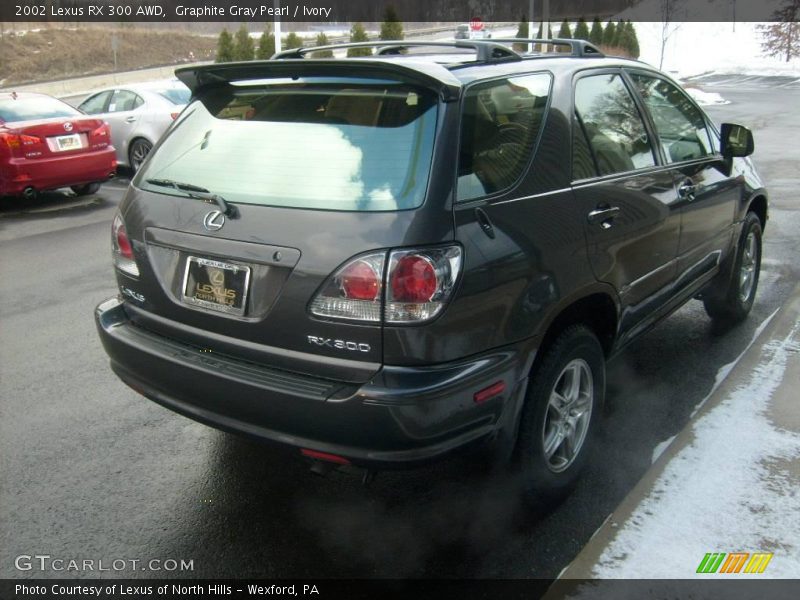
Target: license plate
68	142
216	285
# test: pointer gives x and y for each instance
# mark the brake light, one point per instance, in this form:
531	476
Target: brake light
420	281
122	250
15	140
354	291
174	115
102	131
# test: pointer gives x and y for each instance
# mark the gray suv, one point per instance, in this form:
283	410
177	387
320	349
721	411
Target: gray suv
383	260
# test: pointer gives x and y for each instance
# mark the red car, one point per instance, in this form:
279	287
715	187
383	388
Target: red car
47	144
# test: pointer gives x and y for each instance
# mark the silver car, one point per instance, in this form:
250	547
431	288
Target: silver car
138	115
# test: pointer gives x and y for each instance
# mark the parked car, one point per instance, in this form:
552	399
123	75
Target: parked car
305	259
47	144
139	114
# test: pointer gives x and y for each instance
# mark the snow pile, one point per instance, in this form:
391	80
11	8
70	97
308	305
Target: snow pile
706	98
726	492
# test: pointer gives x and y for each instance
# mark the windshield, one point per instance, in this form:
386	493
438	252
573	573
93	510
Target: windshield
333	146
29	108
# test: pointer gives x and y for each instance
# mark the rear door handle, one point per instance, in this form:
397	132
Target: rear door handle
604	215
130	119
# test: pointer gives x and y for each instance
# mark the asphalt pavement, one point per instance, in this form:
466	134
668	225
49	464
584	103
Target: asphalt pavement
91	470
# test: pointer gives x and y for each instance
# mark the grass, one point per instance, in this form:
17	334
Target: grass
52	54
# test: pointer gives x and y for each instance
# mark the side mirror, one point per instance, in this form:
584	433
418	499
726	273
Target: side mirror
737	140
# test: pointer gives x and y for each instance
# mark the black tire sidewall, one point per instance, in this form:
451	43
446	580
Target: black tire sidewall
742	307
541	485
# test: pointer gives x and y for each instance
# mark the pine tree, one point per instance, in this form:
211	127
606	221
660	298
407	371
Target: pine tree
391	27
243	47
623	41
596	35
782	38
610	34
619	33
633	47
358	34
292	41
581	30
522	32
266	45
564	31
322	40
224	47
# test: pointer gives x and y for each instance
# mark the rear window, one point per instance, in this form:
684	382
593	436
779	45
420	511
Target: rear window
30	108
332	146
176	95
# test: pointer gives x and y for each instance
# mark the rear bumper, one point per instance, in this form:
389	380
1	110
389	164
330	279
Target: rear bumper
58	171
403	416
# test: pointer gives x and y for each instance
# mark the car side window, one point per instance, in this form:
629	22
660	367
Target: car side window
95	104
680	125
123	100
613	128
500	125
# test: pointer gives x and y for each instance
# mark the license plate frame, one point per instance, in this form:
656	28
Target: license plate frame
65	143
216	285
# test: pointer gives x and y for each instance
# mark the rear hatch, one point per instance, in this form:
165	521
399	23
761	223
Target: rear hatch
320	176
39	127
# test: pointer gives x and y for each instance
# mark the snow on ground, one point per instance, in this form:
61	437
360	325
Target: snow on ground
726	492
706	98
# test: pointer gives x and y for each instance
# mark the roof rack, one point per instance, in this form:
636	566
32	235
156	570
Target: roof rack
577	47
485	51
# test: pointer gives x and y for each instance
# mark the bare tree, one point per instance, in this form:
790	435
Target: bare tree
782	38
671	11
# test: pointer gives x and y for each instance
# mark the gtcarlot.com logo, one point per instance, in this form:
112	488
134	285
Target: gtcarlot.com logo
734	562
46	562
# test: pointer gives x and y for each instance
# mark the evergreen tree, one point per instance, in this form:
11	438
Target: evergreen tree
610	34
358	34
596	35
620	33
522	32
581	30
224	47
266	45
292	41
623	42
322	40
243	47
633	41
391	27
564	31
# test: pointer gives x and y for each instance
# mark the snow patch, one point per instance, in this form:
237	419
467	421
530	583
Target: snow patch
725	492
706	98
659	449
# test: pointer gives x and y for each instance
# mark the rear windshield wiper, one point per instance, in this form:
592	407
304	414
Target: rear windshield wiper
195	191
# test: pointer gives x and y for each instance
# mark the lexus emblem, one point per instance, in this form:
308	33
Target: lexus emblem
214	220
67	126
217	277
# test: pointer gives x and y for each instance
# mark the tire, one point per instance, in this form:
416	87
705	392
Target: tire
138	152
548	467
730	299
86	189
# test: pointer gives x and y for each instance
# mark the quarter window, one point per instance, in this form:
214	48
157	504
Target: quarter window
679	123
499	128
612	126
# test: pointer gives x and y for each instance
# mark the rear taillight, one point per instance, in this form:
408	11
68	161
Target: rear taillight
354	292
16	140
102	132
174	115
420	281
122	250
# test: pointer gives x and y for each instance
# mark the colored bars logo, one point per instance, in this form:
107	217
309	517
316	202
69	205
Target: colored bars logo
734	562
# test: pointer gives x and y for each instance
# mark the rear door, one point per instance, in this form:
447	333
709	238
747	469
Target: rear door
631	216
321	175
706	193
124	115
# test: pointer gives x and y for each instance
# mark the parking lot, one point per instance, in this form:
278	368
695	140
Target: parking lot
91	470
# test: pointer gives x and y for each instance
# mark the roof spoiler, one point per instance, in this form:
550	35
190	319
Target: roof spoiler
427	75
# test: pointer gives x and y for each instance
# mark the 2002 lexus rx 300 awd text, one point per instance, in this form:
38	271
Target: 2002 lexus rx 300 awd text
382	260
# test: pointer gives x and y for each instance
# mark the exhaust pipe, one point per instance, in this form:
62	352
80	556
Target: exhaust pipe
29	193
